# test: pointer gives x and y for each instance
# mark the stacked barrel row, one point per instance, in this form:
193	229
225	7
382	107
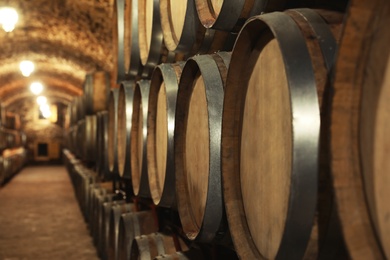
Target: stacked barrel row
114	220
86	130
151	32
271	146
12	145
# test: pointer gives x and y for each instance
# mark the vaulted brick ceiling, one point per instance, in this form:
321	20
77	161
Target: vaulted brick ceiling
65	39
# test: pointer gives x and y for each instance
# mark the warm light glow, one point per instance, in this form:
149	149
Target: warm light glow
41	100
45	109
8	18
36	88
26	67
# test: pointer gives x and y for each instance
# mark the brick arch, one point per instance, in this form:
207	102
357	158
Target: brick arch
65	38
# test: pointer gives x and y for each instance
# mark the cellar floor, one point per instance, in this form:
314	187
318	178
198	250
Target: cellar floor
40	218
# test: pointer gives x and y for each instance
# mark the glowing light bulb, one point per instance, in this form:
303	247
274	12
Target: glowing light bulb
8	18
36	88
45	110
26	67
41	100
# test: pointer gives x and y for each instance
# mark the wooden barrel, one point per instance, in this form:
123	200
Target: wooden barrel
271	130
115	214
90	141
99	143
9	163
10	138
180	25
89	189
132	58
230	15
92	217
98	217
13	161
183	33
150	36
73	138
359	123
118	32
147	247
112	139
139	174
80	140
96	92
73	112
125	112
102	146
105	227
161	121
96	190
131	225
197	145
79	108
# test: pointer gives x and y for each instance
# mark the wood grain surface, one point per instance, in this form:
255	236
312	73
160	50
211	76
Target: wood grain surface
197	151
266	150
357	130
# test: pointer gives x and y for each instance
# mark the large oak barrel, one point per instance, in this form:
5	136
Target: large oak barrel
90	140
150	35
161	124
96	91
139	174
228	15
74	111
131	40
180	25
80	139
125	112
73	139
96	189
132	225
275	91
359	124
183	33
115	214
112	140
13	161
98	216
105	227
147	247
102	146
79	108
107	199
118	47
197	140
10	138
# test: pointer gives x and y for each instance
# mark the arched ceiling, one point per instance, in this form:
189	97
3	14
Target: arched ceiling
64	38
